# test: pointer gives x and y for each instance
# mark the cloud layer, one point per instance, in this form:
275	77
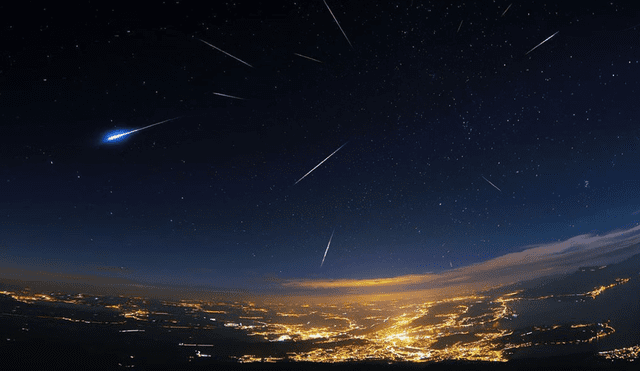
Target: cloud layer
533	262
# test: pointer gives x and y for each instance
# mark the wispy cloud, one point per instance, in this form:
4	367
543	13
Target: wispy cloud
533	262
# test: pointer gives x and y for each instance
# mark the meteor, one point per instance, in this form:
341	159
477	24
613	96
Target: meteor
338	23
227	95
494	186
506	10
321	162
309	58
119	134
545	40
218	49
329	244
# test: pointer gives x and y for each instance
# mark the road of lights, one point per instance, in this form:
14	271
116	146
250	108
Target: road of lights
628	354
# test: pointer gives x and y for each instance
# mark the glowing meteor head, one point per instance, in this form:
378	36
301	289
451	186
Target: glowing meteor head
115	135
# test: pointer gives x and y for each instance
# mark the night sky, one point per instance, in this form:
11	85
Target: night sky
462	143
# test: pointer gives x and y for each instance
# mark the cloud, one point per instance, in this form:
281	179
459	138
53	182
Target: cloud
109	268
533	262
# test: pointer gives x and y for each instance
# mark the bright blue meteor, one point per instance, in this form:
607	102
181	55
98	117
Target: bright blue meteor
119	134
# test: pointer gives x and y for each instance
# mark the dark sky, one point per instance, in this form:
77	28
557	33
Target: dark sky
430	99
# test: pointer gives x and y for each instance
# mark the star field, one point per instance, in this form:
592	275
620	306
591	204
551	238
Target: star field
463	142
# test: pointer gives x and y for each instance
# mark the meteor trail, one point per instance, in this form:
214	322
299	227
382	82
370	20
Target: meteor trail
506	10
460	26
329	244
545	40
309	58
321	162
494	186
338	23
120	135
236	58
228	96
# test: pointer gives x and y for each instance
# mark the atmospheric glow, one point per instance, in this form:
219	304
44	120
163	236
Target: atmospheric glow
373	282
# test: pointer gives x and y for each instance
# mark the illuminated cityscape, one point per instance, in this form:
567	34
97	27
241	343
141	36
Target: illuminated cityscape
484	327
